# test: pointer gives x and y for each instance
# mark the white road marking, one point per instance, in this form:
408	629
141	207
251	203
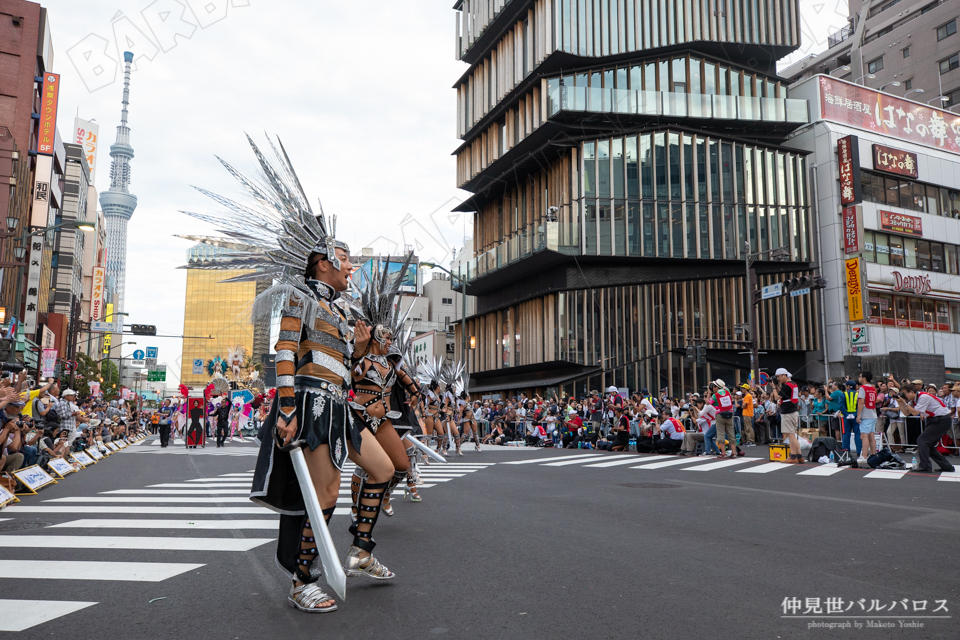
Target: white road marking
721	464
217	525
828	469
949	476
19	615
95	570
148	499
125	542
548	458
764	468
177	492
631	459
672	462
564	463
886	474
206	510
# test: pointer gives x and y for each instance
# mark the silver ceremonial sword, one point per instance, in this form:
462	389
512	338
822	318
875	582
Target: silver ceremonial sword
425	449
332	569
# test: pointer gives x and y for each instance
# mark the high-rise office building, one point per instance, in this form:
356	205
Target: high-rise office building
221	311
117	202
907	48
625	156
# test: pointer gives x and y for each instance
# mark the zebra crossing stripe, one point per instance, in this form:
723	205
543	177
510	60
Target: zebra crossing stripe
124	542
94	570
949	476
217	525
670	463
205	510
615	463
548	458
20	615
178	492
720	464
183	485
828	469
886	474
149	499
764	468
564	463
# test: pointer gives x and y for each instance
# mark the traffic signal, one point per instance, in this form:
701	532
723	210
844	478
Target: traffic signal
795	284
701	354
819	282
6	349
691	353
143	329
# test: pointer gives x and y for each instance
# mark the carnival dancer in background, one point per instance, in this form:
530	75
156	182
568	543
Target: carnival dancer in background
277	237
468	422
451	407
377	373
432	372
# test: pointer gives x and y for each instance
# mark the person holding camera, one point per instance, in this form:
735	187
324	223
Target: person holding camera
937	420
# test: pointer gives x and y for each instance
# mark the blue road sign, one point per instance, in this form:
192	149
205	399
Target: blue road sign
138	354
152	352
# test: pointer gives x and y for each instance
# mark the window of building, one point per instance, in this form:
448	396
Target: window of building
950	63
947	30
930	7
908	84
446	301
906	52
875	65
953	98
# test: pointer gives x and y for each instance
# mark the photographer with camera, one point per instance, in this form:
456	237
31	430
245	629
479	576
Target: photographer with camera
937	418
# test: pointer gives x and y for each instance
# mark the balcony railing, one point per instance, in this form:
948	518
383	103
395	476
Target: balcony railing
562	237
675	104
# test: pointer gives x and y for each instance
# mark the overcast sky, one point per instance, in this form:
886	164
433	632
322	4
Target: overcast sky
360	94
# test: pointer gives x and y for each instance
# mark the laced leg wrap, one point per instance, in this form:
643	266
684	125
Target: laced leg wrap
355	494
307	554
397	477
370	498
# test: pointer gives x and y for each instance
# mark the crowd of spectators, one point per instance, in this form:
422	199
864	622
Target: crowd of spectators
850	411
41	422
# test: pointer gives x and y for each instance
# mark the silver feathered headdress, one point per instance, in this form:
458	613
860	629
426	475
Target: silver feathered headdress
272	236
379	302
453	377
431	373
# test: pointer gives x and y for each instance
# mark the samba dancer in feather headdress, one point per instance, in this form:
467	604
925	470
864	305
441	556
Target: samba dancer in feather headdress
280	239
379	372
431	373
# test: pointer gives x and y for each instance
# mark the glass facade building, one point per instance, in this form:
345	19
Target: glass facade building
624	158
220	310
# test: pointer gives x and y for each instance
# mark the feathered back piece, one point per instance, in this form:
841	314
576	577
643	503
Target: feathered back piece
379	302
273	235
453	377
431	373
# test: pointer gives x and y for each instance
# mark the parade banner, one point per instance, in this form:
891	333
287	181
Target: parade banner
95	453
6	497
48	363
871	110
83	458
49	96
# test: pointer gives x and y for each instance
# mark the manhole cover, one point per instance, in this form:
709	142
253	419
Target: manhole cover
650	485
20	526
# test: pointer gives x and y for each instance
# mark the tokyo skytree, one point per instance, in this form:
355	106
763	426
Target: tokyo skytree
118	203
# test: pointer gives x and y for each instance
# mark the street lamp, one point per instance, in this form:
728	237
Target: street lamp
749	258
942	99
912	91
844	68
463	307
868	76
895	83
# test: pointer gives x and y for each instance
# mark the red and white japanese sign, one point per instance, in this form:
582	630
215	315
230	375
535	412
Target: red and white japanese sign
49	95
852	230
848	155
87	134
865	108
96	298
912	284
901	223
896	161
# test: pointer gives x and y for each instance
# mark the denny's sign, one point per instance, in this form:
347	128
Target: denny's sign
856	288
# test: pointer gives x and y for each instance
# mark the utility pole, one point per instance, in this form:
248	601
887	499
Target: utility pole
750	297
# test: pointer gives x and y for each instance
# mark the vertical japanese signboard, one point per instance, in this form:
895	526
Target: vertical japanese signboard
856	287
49	95
848	155
86	134
852	229
96	301
106	338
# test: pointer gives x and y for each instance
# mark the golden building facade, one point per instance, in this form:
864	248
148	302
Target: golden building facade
217	309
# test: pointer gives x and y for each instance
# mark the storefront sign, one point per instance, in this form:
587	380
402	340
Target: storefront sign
901	223
896	161
855	290
871	110
848	155
48	113
40	209
86	134
96	301
919	285
107	338
852	230
859	336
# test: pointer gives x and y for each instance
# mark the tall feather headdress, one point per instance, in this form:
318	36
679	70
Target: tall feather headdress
379	302
273	235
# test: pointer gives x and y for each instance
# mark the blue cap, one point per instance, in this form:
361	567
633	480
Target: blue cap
128	56
851	383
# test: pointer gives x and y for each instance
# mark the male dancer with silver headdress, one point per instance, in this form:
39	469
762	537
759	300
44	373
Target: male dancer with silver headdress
280	239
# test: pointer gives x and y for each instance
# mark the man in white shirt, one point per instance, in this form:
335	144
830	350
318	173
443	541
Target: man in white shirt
671	434
937	420
705	417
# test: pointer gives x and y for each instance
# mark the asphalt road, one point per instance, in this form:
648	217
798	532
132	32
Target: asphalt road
532	550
